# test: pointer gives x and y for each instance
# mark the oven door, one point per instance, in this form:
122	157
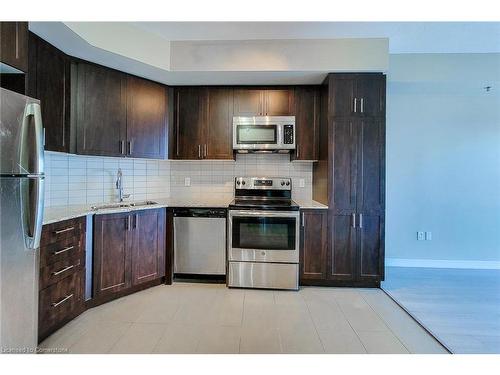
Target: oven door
263	236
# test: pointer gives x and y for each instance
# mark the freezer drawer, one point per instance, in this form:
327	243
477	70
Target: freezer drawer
264	275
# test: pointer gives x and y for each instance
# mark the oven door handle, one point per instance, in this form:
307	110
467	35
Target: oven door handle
251	213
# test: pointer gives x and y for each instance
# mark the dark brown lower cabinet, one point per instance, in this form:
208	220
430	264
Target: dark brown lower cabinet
62	274
129	250
148	251
313	245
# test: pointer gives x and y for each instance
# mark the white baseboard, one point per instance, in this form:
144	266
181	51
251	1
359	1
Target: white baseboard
436	263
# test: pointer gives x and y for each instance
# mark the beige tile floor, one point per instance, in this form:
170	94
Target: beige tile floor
209	318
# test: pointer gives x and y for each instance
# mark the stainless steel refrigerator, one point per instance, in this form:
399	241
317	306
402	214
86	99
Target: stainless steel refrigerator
21	215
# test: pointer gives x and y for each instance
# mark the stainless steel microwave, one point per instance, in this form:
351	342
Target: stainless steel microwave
264	133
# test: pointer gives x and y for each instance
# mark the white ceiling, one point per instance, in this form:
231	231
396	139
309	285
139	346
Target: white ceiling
404	37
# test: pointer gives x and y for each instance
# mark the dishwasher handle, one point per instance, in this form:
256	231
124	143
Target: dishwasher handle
200	212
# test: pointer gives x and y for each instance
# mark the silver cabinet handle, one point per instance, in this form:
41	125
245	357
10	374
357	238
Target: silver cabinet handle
199	151
55	304
362	105
353	217
130	144
205	150
64	230
136	222
63	250
298	151
62	271
122	147
303	220
361	220
128	222
177	127
355	105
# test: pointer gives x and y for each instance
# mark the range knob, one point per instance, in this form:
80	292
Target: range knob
282	183
238	182
288	183
243	182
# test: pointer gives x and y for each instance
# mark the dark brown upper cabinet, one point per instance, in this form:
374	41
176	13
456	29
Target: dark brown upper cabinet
120	115
278	102
190	118
49	79
248	102
101	111
357	94
263	102
314	245
14	44
146	118
218	132
307	111
203	123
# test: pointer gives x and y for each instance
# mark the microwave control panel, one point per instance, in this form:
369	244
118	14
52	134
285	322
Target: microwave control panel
288	134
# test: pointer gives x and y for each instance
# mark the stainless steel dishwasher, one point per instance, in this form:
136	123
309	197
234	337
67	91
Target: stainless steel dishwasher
200	241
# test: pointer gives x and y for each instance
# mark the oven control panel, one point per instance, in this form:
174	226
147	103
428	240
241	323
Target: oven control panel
263	183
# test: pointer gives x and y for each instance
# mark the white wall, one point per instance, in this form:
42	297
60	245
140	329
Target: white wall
443	156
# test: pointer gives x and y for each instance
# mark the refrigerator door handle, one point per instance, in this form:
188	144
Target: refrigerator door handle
32	110
32	195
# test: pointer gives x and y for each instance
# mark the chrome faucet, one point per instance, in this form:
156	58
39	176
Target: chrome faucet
119	185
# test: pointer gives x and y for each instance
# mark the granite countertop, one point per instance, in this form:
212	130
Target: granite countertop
60	213
310	204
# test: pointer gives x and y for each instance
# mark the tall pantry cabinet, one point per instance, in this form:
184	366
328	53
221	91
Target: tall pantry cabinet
350	178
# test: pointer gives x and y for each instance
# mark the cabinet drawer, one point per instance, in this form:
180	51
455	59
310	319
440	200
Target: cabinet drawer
58	302
55	232
57	271
64	249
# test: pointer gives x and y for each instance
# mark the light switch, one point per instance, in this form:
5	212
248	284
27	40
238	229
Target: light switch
428	236
420	236
187	181
302	182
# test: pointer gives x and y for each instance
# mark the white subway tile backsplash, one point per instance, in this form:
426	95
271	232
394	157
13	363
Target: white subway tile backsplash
75	179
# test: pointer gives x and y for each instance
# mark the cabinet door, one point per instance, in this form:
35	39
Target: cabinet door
370	94
146	118
248	102
14	44
148	250
219	142
341	95
313	255
112	253
344	166
278	102
53	90
371	196
370	247
306	123
342	255
101	111
190	117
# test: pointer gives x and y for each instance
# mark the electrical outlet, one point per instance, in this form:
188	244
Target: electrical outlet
187	181
302	182
420	236
428	236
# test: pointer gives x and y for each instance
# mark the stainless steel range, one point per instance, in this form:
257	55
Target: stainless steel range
263	234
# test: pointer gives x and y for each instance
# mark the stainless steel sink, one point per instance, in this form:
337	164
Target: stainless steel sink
123	205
